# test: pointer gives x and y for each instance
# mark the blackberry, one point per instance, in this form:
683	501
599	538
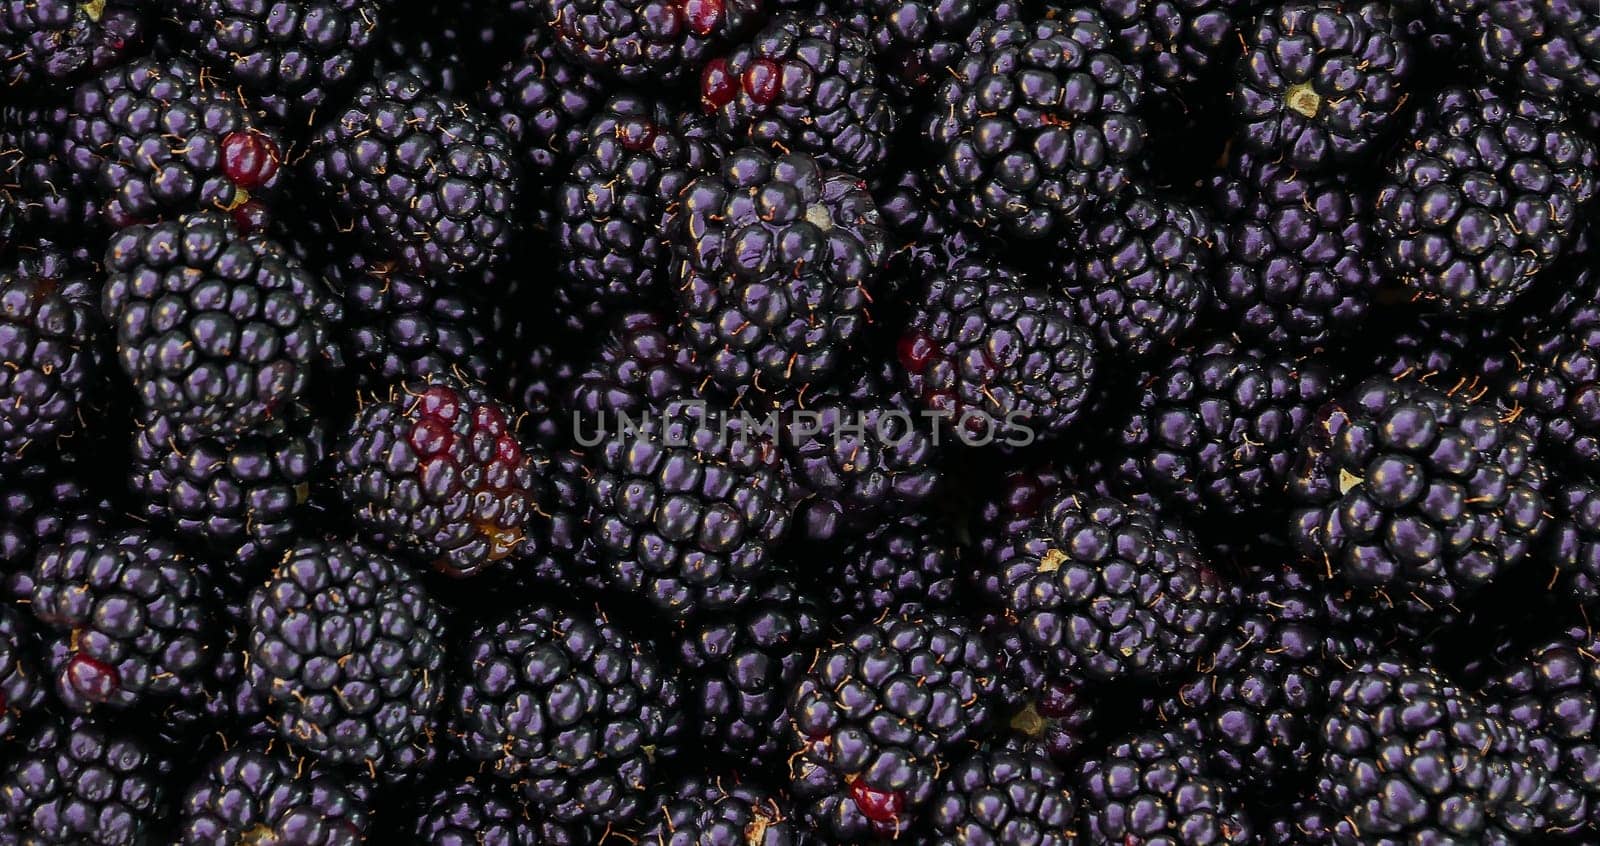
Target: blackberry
1050	714
1213	429
1036	125
22	684
916	40
50	42
293	56
217	328
536	380
42	192
49	320
82	781
543	102
51	498
128	618
721	810
739	666
1552	389
1107	589
688	509
1405	489
640	41
346	649
1485	193
246	796
640	365
571	708
902	567
422	177
482	811
1321	82
158	137
875	716
804	83
776	263
401	325
992	358
1156	788
1178	45
436	473
1548	48
626	175
1572	545
1000	795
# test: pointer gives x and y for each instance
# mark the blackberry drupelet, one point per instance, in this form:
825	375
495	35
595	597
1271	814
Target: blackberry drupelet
436	473
808	84
543	102
478	810
1486	191
1003	795
776	263
217	328
994	359
646	41
1548	48
128	618
49	324
47	43
875	717
1111	590
1036	126
572	709
251	796
293	56
421	176
160	137
1152	787
902	567
400	325
80	781
718	810
1321	82
22	682
347	650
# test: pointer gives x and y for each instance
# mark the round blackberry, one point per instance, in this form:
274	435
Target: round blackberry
436	473
36	184
993	359
50	42
1554	391
1108	589
1035	126
477	811
158	137
1155	788
80	781
293	56
1406	489
543	102
400	325
902	567
218	329
777	260
347	650
626	174
248	796
1321	82
640	41
1486	191
721	810
875	716
128	615
805	83
1002	795
1179	45
569	707
739	666
1298	268
1214	428
22	684
419	176
1549	48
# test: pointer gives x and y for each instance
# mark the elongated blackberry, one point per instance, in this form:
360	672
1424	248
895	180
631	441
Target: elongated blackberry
875	717
82	781
543	102
400	325
49	317
721	809
902	567
1152	787
347	650
23	689
571	708
1003	795
641	41
50	42
246	795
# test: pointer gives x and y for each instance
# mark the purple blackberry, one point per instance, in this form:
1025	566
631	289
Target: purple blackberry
640	365
902	567
1548	48
36	184
22	683
641	41
1002	795
916	40
1156	788
477	810
50	42
246	796
1554	391
1572	545
543	102
720	810
48	500
1178	44
81	781
1051	714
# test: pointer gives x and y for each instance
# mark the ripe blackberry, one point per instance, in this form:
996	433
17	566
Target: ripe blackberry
246	796
1552	390
293	56
50	42
804	83
994	359
1002	795
739	667
82	781
436	473
641	41
1405	489
543	102
49	321
400	325
45	502
1108	589
776	262
688	508
1140	277
640	365
626	174
419	176
1049	713
218	329
22	683
1156	788
475	810
36	184
569	707
1321	82
158	137
1035	126
875	716
1572	545
347	650
1177	44
1213	429
902	567
1485	193
536	377
1548	48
